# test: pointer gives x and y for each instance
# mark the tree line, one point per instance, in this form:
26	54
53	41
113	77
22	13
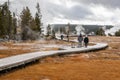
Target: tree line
101	32
9	22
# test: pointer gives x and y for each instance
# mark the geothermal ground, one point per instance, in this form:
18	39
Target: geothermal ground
10	48
98	65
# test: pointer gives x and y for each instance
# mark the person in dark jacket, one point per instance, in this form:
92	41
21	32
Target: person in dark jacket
62	37
80	39
67	38
86	41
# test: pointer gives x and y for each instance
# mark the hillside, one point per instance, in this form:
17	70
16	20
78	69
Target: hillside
88	28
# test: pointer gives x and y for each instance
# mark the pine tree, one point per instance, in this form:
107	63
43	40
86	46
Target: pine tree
33	24
61	30
53	33
25	17
10	28
1	24
67	29
5	21
117	33
48	30
14	24
100	32
38	17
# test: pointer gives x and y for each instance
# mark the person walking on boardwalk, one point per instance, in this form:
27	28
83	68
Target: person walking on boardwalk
62	36
80	39
67	38
86	41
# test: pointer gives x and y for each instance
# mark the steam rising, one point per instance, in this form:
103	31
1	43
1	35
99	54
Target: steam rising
80	29
112	30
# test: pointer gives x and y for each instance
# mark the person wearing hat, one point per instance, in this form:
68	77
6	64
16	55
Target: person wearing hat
80	39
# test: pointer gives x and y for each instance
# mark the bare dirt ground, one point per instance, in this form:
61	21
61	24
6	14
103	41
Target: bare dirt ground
98	65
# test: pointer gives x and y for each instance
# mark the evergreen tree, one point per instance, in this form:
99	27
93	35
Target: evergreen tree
14	24
100	32
25	17
5	21
1	24
117	33
61	30
8	23
10	28
38	17
48	30
67	29
53	34
33	25
109	34
37	21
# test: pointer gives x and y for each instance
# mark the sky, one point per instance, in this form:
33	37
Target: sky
72	11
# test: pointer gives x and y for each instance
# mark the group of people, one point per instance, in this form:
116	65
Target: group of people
81	40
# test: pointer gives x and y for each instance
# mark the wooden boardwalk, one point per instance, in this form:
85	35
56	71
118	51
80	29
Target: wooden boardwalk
18	60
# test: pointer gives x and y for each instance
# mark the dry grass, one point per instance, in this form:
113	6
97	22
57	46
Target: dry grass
100	65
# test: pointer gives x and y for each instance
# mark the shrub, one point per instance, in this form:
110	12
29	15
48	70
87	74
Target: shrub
100	32
117	33
109	34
